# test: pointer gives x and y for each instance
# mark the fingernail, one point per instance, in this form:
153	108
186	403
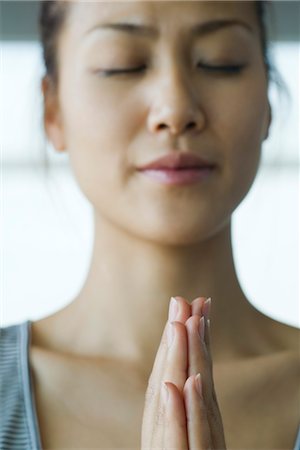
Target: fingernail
171	332
199	384
208	324
201	328
197	305
206	308
165	393
173	309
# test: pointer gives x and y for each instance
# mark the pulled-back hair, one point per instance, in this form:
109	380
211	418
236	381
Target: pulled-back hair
52	17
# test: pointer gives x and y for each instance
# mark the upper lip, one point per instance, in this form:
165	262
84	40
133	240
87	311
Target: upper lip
178	161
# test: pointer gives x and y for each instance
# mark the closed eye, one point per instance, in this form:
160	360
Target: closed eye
228	69
112	72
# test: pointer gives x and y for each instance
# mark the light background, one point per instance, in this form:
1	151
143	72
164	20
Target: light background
47	223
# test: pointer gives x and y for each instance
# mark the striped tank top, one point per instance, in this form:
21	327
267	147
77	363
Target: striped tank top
18	418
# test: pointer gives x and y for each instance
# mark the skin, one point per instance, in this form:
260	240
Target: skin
188	418
152	242
172	241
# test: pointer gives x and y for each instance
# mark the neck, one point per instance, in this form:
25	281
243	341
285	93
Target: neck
122	308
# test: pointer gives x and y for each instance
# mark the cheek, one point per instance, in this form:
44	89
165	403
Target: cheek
99	110
99	134
240	126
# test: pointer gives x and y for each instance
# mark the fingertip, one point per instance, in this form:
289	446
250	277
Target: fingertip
197	305
184	308
170	390
188	384
197	299
189	323
168	384
185	389
181	299
176	411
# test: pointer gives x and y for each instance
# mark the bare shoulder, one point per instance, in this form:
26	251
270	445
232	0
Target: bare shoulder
286	336
258	384
275	336
284	357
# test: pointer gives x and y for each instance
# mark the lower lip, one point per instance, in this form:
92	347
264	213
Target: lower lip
178	177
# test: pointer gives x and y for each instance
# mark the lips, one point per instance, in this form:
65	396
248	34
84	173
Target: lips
176	177
178	161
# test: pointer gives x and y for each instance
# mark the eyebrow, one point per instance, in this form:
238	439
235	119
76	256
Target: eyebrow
201	29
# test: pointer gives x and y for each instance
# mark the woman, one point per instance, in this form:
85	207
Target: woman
162	108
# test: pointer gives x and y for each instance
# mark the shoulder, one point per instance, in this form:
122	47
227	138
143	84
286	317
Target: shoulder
275	336
282	365
285	336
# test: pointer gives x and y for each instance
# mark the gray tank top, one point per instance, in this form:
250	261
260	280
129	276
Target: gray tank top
18	418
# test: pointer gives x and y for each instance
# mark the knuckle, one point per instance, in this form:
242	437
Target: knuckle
160	415
150	392
164	341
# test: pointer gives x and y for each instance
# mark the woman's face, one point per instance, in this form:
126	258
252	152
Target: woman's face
113	124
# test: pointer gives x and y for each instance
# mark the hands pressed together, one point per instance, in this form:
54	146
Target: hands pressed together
183	413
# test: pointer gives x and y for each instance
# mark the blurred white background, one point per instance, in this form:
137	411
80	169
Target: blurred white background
47	223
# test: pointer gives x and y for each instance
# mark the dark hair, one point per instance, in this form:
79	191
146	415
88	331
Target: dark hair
53	15
52	18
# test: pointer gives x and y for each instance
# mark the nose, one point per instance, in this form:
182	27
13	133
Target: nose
175	107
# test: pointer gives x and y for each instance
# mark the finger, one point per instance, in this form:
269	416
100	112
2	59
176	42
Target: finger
197	306
184	309
200	361
198	357
199	434
207	344
209	355
182	315
153	404
175	430
177	357
213	409
202	307
175	367
206	311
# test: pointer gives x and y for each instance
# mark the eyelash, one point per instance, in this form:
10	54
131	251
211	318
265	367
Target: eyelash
230	69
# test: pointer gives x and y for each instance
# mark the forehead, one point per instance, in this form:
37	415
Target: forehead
167	15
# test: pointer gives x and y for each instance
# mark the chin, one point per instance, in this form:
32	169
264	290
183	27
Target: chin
177	235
